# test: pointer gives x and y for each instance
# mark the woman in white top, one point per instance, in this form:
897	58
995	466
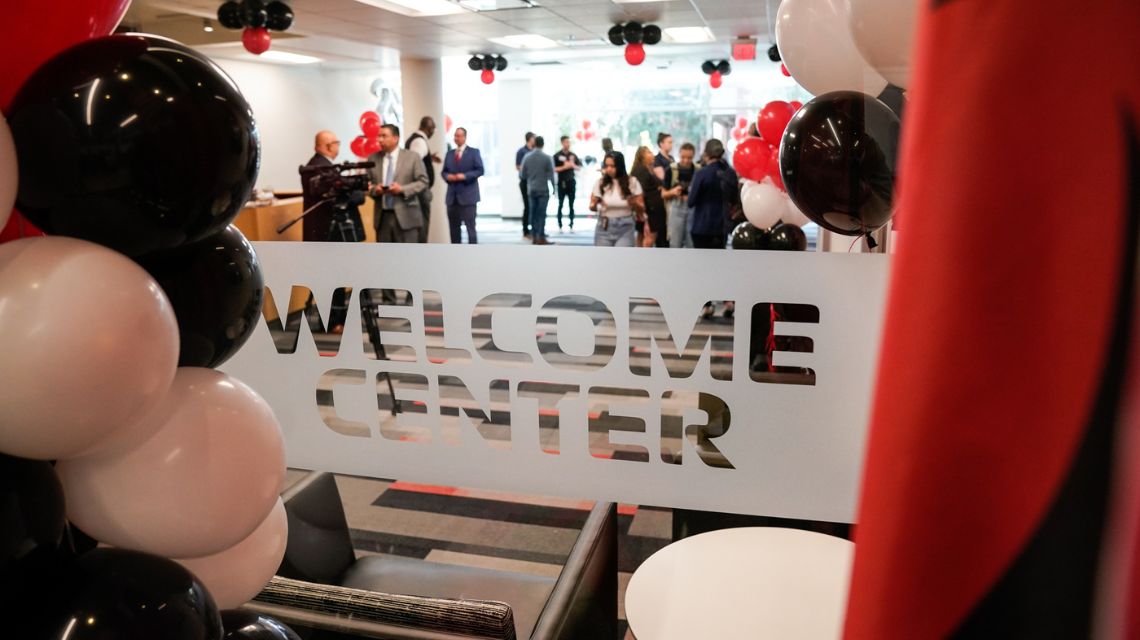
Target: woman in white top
618	201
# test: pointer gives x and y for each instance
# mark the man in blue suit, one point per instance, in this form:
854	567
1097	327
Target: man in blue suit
461	170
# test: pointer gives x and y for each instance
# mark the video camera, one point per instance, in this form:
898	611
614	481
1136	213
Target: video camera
343	185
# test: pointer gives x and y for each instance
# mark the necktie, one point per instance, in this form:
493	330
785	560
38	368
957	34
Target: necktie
388	180
458	156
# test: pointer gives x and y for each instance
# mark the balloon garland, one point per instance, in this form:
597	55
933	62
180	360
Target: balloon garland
487	65
256	19
634	36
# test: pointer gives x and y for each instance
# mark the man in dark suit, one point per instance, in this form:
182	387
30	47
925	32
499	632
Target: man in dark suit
461	170
315	226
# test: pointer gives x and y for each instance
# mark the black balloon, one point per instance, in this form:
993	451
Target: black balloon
633	32
500	63
229	15
115	594
216	289
474	63
280	16
785	237
724	67
651	34
135	142
254	13
838	159
488	63
774	53
747	236
708	66
616	35
31	508
240	624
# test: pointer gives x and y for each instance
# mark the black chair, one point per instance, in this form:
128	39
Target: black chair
322	586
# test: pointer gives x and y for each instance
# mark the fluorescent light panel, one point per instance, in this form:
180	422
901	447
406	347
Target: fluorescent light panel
687	35
273	55
416	8
525	41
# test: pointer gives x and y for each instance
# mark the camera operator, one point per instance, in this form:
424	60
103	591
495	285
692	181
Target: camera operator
317	225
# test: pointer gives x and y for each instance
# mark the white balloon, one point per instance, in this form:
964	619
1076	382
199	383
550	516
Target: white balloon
818	51
883	32
763	203
793	214
200	484
89	344
236	575
9	174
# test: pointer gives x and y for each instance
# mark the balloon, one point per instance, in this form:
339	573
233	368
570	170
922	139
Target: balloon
634	53
32	32
159	149
838	160
204	480
115	593
371	146
488	63
794	215
633	33
585	125
280	16
236	575
741	123
796	104
774	169
763	203
724	67
216	289
241	624
229	15
370	126
488	76
9	174
738	134
90	345
818	51
616	35
750	159
746	236
256	40
578	135
715	80
784	70
447	123
474	63
773	119
254	14
774	53
883	32
707	67
783	237
651	34
31	508
19	227
357	146
500	63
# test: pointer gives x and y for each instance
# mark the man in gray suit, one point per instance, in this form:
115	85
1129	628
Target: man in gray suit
398	180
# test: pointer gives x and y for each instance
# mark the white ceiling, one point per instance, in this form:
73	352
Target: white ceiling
347	30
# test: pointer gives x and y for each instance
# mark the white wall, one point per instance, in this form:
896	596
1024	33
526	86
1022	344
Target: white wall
292	103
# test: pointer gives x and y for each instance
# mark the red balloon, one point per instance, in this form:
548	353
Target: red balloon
784	70
750	159
741	123
590	135
371	127
773	119
371	145
369	117
487	76
774	168
578	135
446	122
32	32
796	104
585	124
357	146
634	53
737	134
715	80
256	40
19	227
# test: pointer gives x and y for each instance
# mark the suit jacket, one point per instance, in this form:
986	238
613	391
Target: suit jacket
315	226
410	175
463	193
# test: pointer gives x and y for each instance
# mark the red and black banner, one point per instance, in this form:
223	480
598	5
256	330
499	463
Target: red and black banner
1000	491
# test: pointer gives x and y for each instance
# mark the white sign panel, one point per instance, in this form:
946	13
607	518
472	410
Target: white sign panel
580	372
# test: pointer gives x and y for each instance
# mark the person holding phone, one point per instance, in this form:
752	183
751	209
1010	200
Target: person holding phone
618	202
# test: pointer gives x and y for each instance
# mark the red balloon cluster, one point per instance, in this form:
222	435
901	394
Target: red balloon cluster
755	158
368	143
585	134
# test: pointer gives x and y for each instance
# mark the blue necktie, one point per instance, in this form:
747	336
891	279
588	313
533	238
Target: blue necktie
388	180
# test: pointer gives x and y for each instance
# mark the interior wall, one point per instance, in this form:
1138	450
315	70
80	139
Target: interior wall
292	103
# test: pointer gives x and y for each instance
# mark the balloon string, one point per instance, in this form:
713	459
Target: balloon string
857	239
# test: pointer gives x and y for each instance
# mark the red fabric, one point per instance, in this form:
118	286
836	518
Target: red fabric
1012	197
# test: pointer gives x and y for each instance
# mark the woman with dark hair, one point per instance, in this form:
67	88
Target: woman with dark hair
713	195
654	190
618	202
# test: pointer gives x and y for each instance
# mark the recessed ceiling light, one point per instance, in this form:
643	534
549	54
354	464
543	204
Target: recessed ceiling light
207	27
583	42
416	8
274	55
687	34
525	41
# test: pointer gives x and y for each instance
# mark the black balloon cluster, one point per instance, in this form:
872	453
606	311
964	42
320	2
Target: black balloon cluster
634	33
716	70
275	16
782	237
488	65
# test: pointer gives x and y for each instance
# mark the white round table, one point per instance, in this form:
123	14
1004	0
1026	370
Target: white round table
749	582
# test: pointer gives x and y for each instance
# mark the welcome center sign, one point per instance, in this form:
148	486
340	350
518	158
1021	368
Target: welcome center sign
580	372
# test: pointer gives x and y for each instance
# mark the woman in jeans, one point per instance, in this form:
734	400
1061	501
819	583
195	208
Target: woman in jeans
618	202
654	194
